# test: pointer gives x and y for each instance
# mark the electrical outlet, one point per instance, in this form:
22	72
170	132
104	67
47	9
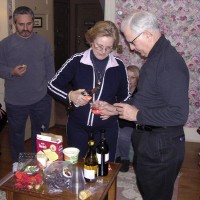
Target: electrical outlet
119	49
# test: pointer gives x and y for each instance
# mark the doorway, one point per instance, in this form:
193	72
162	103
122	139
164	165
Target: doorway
72	18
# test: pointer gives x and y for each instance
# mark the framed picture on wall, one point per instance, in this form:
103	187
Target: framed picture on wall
37	22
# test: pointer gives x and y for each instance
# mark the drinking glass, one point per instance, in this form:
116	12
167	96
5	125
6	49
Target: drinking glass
78	181
95	107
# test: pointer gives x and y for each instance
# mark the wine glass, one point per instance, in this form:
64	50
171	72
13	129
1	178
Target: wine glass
77	181
95	107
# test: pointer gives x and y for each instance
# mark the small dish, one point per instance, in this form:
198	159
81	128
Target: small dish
66	172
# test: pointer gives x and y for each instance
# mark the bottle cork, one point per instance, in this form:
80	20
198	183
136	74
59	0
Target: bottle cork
84	194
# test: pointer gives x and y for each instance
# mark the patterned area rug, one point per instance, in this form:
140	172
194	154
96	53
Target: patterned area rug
126	186
2	195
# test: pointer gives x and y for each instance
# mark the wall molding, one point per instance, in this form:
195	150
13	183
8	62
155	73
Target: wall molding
109	10
191	135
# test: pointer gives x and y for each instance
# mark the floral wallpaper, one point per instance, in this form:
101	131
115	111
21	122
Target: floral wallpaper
180	22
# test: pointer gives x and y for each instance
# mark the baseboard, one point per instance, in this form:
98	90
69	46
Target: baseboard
191	135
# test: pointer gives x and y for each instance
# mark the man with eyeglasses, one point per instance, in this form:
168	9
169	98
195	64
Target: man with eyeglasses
160	107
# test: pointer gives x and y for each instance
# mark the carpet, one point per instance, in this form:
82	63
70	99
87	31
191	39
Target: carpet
126	187
2	195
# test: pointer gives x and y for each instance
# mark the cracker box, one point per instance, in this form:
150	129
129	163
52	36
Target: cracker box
51	145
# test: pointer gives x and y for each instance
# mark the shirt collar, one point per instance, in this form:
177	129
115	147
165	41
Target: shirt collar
86	59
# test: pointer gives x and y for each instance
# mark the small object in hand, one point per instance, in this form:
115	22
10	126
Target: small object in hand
23	66
87	94
95	107
96	111
84	194
88	97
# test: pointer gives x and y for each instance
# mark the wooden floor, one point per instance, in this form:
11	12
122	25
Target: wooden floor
189	185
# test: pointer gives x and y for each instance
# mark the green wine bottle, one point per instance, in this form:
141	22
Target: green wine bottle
91	162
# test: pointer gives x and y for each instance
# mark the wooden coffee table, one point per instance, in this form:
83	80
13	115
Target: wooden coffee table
109	187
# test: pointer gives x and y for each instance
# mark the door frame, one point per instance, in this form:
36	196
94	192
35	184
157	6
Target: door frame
109	10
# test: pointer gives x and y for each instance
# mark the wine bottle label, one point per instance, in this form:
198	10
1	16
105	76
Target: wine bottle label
99	157
89	174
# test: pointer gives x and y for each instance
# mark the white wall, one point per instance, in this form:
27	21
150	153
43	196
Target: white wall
109	12
191	135
3	34
3	19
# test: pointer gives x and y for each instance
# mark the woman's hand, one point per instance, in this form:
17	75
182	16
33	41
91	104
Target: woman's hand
106	110
78	98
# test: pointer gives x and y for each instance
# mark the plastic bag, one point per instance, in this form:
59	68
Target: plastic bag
58	176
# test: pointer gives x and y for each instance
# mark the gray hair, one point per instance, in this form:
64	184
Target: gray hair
22	10
140	21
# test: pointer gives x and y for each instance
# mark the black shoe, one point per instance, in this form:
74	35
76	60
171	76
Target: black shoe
118	160
125	165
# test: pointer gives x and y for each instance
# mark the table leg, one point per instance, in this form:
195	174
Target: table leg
9	195
112	191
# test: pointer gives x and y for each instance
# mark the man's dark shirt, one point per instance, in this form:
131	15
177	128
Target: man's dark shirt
125	123
162	96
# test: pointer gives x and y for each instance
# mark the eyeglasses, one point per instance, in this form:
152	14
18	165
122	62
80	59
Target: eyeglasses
101	48
132	42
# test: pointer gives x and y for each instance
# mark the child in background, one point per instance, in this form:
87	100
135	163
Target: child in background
127	127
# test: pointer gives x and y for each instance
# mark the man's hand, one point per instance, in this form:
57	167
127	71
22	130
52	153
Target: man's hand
19	70
126	111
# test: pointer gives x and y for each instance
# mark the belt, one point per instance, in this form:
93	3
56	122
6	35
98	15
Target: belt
147	127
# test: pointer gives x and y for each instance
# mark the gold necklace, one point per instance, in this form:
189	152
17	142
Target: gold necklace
98	75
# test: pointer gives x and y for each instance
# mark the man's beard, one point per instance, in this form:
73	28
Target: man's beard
25	34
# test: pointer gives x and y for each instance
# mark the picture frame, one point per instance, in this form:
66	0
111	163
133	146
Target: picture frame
37	22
